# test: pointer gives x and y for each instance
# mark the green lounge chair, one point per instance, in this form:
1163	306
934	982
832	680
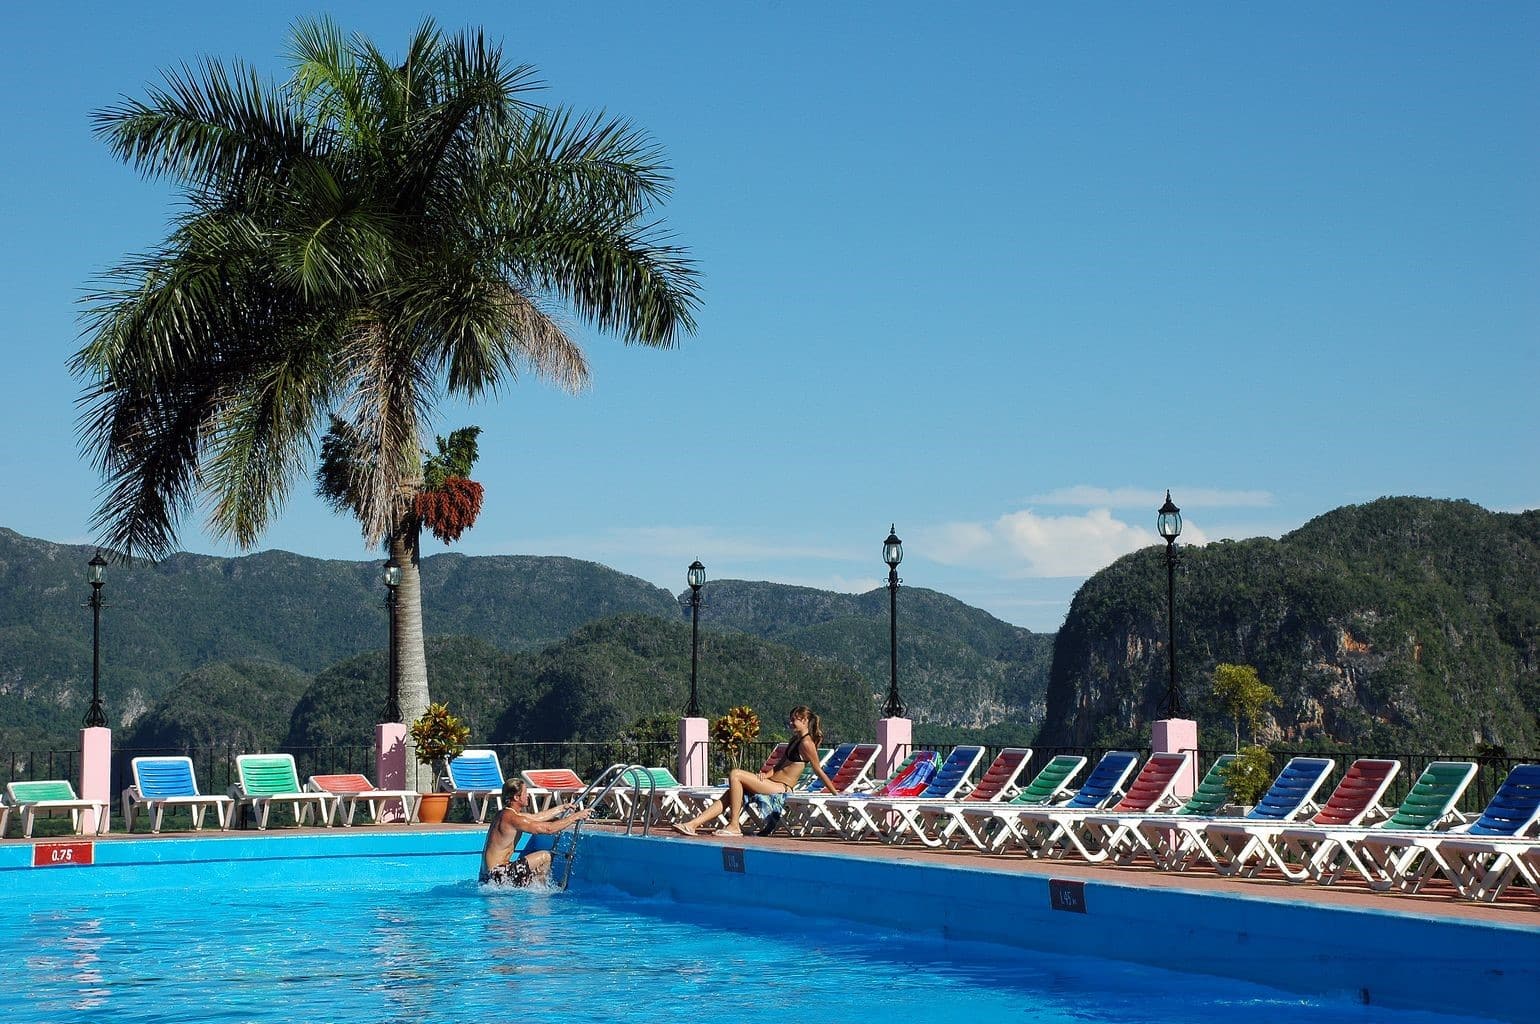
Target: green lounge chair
980	824
1124	836
1325	853
51	795
265	779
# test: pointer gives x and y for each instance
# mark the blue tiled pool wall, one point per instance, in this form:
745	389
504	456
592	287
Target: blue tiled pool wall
260	861
1392	958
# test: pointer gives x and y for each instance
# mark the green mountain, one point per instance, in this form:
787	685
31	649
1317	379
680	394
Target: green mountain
165	620
178	638
590	687
1405	624
958	666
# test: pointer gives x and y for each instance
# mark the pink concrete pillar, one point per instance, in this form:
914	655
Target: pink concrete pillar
1178	736
390	765
897	738
95	773
693	739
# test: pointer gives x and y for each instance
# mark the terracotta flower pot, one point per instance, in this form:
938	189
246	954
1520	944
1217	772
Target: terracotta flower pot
432	808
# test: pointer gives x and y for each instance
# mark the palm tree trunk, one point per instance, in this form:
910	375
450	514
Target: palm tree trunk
411	660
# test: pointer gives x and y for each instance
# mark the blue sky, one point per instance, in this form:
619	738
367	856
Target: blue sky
997	273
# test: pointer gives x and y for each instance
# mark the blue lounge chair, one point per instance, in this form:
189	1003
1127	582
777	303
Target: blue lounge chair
1177	843
477	776
1103	786
163	783
1057	831
916	817
1247	847
859	817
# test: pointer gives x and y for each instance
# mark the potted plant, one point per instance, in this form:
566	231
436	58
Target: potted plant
733	732
437	737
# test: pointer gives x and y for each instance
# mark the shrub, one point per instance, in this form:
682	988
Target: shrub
1249	774
734	731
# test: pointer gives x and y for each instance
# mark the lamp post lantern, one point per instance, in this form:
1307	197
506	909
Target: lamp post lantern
696	575
1169	523
96	576
892	554
391	575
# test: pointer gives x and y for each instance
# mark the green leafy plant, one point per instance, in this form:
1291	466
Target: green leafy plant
1245	695
438	736
1249	774
734	731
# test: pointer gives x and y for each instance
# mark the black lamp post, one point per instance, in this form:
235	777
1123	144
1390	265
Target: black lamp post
96	575
892	554
392	577
1169	523
697	579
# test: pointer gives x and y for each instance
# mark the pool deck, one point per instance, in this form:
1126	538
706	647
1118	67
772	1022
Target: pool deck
1518	907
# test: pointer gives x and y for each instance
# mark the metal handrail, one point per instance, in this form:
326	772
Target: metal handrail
617	773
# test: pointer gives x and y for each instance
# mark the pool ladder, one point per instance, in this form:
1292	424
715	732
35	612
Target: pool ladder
623	775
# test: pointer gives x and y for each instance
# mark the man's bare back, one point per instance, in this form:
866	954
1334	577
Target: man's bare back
498	865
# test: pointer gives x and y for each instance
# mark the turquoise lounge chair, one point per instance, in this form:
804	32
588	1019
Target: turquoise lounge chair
265	779
51	795
1103	786
1473	857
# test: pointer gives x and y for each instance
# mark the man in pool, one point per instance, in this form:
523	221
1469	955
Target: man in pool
498	864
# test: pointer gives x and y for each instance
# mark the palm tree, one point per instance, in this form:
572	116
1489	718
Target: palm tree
356	243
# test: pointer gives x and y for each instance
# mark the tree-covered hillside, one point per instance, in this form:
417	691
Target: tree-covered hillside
1403	624
164	620
590	686
957	665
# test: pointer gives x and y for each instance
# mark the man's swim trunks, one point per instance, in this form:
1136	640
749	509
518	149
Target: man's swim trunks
515	874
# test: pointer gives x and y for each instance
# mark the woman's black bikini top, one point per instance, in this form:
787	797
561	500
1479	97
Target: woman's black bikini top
793	752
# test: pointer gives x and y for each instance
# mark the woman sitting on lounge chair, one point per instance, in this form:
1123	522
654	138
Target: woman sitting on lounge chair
801	749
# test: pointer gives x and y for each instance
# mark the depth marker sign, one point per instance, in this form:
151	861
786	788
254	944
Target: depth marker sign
63	855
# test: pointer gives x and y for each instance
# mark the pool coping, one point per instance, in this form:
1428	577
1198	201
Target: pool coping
1519	909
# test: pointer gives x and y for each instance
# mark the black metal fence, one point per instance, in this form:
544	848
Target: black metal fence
215	766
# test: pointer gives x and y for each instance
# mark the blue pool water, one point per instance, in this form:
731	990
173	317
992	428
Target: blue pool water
354	952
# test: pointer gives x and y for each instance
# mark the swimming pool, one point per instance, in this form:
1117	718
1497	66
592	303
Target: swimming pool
449	952
381	928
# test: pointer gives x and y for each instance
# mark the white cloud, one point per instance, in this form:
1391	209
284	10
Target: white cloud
1028	544
1088	496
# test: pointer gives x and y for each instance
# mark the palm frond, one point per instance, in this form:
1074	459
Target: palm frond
218	123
